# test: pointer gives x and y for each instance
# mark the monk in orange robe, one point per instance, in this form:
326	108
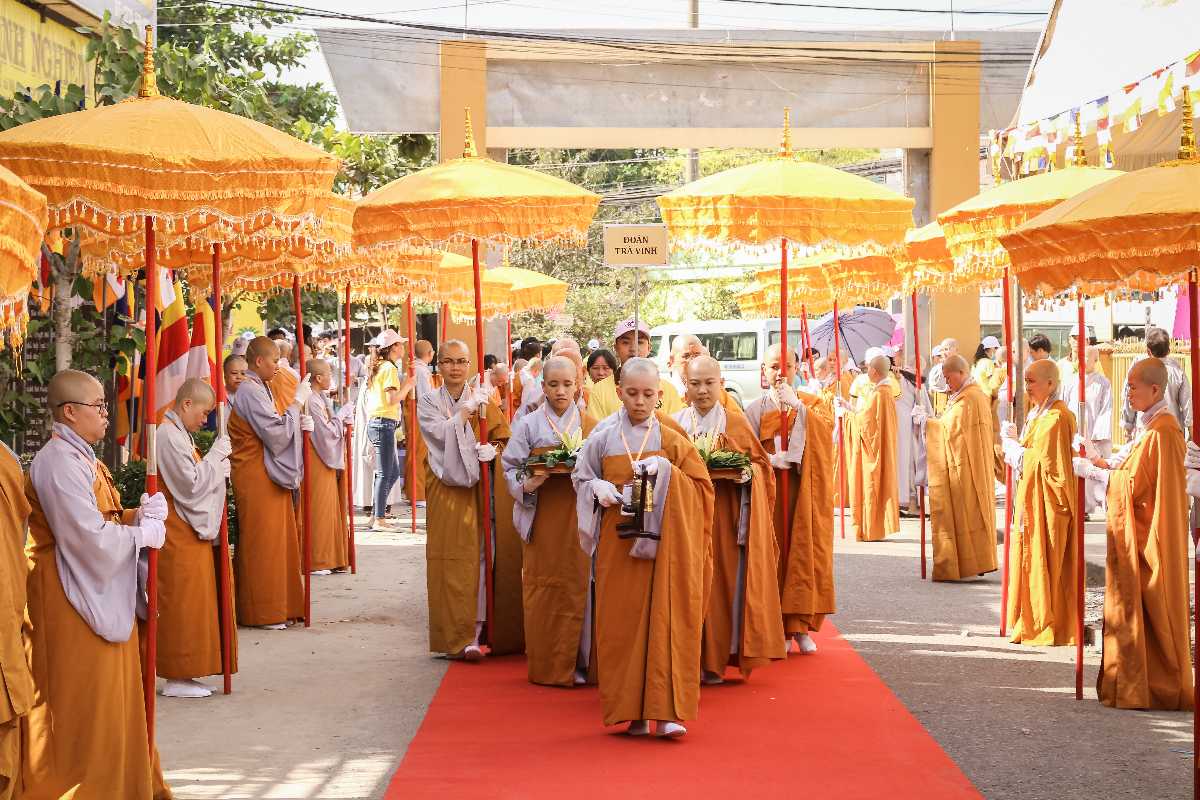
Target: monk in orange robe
326	460
86	731
456	577
1042	594
960	457
1147	650
286	379
806	562
266	470
743	624
414	477
16	696
651	591
189	611
871	435
557	573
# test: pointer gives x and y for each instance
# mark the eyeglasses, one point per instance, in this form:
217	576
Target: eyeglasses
100	406
458	362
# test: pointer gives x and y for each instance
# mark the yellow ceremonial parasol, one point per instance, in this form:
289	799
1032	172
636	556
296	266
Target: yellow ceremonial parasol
925	262
473	199
23	224
1141	229
150	163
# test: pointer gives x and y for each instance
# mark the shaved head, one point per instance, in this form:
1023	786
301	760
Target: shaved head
1045	370
566	344
1150	371
684	340
879	366
636	368
262	347
423	348
196	390
285	348
955	363
71	386
454	346
704	365
318	366
559	365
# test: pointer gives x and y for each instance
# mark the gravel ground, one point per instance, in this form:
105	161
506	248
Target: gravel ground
328	712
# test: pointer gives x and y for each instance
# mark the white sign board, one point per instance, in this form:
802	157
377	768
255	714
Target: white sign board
635	245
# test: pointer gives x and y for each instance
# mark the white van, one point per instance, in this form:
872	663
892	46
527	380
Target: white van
738	344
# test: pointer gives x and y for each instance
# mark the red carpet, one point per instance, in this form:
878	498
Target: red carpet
822	726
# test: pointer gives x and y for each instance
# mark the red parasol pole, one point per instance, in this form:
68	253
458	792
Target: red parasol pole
784	362
1081	514
348	440
485	482
411	433
306	509
917	369
445	320
843	484
1008	473
508	399
225	596
150	408
806	338
1194	332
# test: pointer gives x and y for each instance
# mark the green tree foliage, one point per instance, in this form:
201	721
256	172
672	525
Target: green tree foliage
368	161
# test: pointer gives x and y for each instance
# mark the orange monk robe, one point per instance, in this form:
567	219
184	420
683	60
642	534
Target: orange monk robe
1041	583
742	621
326	496
806	574
556	572
874	484
962	497
86	732
649	612
1147	653
414	477
283	388
16	694
189	610
267	562
454	546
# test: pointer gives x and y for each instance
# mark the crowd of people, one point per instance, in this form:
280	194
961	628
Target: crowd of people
647	534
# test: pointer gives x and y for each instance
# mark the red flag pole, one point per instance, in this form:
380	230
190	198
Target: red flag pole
225	596
1008	473
411	433
785	543
917	369
348	439
149	409
508	404
843	483
1194	332
445	320
1081	513
306	509
485	482
806	338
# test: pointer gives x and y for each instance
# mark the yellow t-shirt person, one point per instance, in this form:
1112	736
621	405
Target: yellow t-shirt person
386	377
603	400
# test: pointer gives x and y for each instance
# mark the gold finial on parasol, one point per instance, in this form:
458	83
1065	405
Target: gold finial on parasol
469	149
785	144
149	83
1187	141
1079	156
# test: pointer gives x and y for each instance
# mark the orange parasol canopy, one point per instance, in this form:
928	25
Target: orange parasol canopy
22	225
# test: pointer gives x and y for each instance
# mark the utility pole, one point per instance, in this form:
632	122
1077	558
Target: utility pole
691	164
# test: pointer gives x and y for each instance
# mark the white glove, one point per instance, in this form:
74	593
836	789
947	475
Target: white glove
306	423
470	401
787	396
745	476
1014	453
220	450
778	460
483	396
1008	431
605	493
224	468
919	414
1193	483
344	413
1081	466
152	508
303	392
152	533
647	465
1191	459
486	452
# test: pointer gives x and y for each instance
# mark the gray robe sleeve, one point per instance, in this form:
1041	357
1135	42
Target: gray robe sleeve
197	487
798	436
280	434
589	466
328	435
516	453
450	442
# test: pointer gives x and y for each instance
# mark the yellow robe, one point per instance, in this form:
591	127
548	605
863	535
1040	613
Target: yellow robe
962	497
189	604
414	473
603	401
452	559
1041	582
555	581
874	484
649	614
267	562
16	694
86	732
760	629
283	389
1147	651
330	544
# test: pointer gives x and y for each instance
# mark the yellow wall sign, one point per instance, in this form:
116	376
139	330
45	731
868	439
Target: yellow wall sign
635	245
36	51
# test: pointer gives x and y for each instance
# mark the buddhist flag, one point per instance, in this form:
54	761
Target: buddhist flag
128	388
173	346
202	355
107	290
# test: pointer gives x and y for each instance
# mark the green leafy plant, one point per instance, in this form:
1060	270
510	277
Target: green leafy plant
716	457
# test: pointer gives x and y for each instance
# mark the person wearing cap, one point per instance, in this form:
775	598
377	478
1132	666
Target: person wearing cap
630	340
959	466
871	439
987	375
1095	429
384	395
425	381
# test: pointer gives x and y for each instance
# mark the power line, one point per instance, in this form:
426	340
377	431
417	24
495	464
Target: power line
896	9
